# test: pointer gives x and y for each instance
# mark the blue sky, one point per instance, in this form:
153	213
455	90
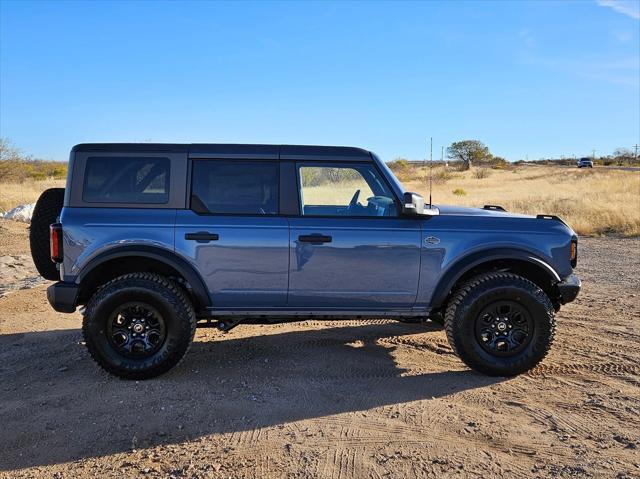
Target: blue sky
530	79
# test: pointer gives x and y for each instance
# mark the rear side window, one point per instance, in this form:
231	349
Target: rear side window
126	180
235	187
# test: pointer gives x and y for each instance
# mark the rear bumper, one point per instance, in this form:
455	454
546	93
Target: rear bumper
569	288
63	296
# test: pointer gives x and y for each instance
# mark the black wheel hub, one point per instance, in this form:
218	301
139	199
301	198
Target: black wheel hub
136	330
504	328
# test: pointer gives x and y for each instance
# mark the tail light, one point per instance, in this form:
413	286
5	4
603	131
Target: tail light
55	242
574	253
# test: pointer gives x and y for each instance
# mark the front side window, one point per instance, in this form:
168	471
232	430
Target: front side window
126	180
344	190
235	187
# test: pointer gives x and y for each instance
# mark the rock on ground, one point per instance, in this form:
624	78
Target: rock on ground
20	213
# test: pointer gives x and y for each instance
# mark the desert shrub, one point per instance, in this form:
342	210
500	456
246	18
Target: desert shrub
15	167
399	165
480	173
318	176
37	175
441	175
458	166
404	170
499	163
459	192
59	173
19	170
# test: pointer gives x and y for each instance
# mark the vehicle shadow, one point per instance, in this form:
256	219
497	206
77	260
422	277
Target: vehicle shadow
57	406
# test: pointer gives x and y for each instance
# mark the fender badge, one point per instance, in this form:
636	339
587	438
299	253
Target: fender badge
431	240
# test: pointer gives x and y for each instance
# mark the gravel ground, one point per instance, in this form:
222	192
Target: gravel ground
329	399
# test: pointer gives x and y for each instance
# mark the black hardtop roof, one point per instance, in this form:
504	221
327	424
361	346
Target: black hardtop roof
246	151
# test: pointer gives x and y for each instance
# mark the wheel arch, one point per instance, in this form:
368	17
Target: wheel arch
517	261
130	259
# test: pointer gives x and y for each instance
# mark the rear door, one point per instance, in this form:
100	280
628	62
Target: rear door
234	235
350	250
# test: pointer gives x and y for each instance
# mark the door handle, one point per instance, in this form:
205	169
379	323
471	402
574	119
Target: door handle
315	239
201	236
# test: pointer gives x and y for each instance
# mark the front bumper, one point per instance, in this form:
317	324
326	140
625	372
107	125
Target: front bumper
569	288
63	296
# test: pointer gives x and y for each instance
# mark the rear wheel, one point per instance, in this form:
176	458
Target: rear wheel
500	324
138	326
46	212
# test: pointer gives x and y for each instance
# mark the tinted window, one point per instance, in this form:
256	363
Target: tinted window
341	190
235	187
126	180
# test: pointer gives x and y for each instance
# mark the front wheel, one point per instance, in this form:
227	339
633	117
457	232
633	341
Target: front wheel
138	326
500	324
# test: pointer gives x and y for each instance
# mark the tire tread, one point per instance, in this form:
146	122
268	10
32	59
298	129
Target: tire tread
45	212
170	291
484	281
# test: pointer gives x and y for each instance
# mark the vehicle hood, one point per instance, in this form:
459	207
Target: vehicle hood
451	210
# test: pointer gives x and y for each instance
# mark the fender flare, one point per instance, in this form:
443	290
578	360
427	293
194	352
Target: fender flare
465	264
167	257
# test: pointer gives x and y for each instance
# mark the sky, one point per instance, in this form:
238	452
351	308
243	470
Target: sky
529	79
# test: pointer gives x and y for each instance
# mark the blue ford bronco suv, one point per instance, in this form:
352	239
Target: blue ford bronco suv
151	239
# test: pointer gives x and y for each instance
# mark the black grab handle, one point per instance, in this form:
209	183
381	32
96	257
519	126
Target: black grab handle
314	239
201	236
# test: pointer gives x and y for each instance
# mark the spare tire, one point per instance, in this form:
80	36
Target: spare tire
45	213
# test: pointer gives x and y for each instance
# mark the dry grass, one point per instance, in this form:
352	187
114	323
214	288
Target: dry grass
593	201
14	194
339	193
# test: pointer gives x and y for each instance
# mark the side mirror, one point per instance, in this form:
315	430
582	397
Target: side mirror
413	205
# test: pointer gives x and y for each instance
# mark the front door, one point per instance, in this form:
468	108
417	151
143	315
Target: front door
233	235
349	249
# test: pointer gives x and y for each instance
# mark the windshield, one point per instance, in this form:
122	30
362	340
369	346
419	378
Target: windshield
395	183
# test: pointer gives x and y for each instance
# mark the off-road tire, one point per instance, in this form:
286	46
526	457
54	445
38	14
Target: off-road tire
45	213
469	300
160	293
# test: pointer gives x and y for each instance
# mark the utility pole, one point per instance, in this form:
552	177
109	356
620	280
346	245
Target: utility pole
594	154
636	146
431	151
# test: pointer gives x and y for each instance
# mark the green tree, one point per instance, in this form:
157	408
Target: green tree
468	152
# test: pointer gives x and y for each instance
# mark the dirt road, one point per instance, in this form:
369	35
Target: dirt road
329	399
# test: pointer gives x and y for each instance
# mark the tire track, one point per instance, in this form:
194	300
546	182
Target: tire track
429	344
607	369
357	374
377	432
572	424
